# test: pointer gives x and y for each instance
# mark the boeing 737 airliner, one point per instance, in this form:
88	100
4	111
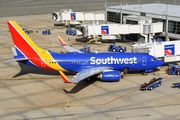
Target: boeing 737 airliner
86	65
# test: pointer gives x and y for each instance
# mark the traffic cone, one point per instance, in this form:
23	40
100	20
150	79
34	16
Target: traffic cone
68	104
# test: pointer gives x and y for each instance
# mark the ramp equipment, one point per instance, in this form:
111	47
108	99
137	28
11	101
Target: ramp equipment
153	83
176	84
46	32
173	70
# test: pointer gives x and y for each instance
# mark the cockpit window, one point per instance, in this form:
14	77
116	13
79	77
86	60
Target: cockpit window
153	59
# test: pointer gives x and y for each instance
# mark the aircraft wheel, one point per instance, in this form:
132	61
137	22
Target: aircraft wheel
151	88
144	73
159	85
121	50
114	50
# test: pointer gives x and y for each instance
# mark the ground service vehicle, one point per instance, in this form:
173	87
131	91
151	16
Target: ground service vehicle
153	83
113	48
27	31
173	70
94	41
46	32
176	84
69	31
86	49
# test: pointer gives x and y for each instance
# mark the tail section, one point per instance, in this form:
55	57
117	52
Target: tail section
21	41
61	41
26	48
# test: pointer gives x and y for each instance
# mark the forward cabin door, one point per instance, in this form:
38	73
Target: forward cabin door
144	61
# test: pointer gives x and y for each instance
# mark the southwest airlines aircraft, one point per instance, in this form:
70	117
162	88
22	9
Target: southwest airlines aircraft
86	65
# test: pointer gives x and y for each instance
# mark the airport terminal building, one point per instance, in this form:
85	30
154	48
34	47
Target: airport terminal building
133	14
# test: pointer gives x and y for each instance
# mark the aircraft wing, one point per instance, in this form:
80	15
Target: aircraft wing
69	48
84	74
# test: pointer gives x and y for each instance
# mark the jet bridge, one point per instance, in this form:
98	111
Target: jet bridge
111	31
66	16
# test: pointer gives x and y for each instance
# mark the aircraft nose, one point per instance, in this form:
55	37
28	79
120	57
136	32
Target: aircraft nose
160	63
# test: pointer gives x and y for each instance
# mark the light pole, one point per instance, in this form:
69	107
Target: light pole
106	10
167	39
120	12
174	2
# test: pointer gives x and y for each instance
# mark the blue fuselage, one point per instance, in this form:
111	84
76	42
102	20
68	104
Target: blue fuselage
117	61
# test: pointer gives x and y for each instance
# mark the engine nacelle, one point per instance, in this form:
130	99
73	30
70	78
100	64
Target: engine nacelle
110	76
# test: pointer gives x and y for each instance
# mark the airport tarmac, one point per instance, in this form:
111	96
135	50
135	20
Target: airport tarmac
29	93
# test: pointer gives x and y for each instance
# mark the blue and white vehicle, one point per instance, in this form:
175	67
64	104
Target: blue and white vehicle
113	48
153	83
173	69
46	32
70	31
176	84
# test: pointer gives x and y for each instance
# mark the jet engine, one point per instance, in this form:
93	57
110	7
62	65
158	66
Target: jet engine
110	76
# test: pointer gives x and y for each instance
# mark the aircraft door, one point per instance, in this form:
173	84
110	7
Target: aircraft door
144	61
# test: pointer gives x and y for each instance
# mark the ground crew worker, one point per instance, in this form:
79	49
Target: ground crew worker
125	71
36	30
177	71
144	83
122	74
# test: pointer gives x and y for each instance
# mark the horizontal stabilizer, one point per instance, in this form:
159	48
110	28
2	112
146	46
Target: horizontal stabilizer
18	59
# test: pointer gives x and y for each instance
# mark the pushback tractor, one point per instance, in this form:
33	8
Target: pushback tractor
113	48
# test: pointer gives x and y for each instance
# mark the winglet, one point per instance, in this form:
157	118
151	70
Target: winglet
65	79
61	41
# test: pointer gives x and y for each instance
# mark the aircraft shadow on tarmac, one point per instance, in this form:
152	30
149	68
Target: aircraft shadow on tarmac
81	85
25	69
